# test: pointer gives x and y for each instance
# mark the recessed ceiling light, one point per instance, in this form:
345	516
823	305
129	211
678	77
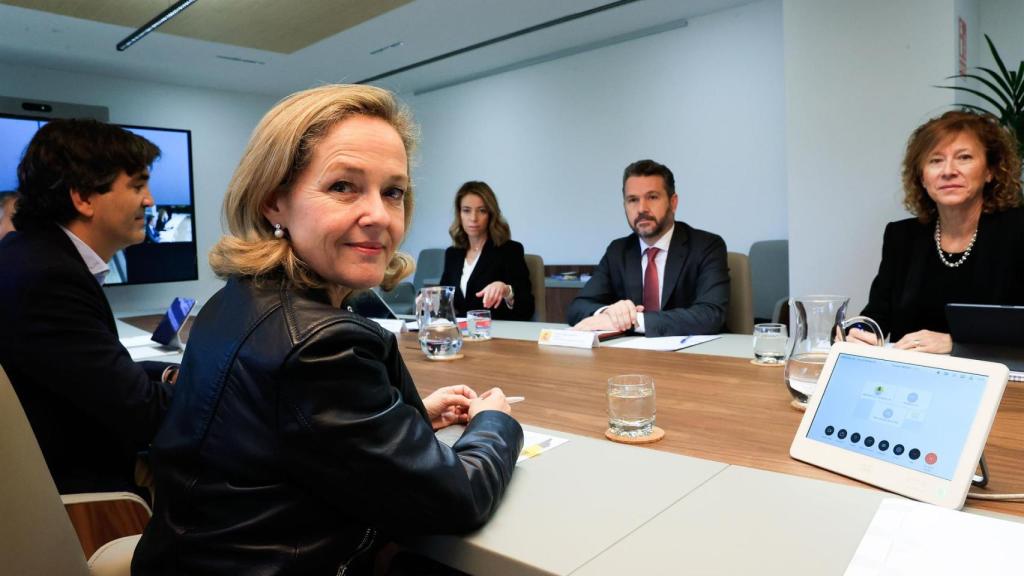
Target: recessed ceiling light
388	47
237	59
153	24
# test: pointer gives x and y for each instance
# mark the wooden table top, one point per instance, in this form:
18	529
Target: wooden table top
712	407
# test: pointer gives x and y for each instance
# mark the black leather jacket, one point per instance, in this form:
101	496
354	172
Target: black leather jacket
295	436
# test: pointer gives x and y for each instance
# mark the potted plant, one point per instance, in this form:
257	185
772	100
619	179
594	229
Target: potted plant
1005	94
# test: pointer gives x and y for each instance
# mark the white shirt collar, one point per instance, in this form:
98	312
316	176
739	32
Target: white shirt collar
663	243
97	267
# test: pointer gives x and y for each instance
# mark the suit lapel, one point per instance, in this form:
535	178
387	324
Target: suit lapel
678	251
921	250
634	272
61	241
479	269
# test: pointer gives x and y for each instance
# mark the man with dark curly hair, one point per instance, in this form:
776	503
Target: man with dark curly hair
83	191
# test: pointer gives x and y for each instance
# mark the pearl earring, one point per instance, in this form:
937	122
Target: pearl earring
278	231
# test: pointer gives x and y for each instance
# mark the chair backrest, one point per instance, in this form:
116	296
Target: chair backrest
36	536
429	267
739	319
536	265
769	275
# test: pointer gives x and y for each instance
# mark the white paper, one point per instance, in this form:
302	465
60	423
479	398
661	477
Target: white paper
393	326
907	537
141	340
534	443
662	343
570	338
156	350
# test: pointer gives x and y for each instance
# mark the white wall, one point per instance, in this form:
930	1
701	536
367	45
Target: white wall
1002	20
552	139
220	123
859	79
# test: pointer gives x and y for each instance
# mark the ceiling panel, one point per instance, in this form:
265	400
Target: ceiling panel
410	33
272	25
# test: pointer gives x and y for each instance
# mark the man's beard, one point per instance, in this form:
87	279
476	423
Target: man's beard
659	226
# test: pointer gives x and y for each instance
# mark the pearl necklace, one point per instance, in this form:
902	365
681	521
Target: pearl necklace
942	255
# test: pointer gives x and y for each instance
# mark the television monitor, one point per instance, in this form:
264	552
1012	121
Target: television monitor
168	254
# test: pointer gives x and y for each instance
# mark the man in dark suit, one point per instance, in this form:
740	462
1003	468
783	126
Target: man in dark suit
665	279
84	190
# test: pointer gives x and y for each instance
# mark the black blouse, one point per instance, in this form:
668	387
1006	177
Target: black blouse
912	286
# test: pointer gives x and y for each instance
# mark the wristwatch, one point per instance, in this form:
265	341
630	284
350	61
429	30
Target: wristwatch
511	295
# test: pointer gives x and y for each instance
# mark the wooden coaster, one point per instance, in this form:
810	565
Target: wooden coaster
656	434
756	362
798	405
444	358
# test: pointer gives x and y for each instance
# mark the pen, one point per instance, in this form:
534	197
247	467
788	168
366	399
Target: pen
514	399
685	338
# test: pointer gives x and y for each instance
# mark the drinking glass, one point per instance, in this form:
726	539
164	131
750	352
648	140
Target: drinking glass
631	405
478	324
770	343
439	336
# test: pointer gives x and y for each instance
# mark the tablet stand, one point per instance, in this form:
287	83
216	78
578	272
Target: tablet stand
980	480
176	341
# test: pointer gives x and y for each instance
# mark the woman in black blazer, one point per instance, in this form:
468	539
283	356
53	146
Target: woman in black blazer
485	265
961	178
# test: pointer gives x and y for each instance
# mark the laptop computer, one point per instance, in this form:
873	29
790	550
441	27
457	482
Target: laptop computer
987	332
369	304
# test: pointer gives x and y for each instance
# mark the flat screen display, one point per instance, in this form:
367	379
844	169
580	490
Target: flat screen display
168	253
166	332
917	417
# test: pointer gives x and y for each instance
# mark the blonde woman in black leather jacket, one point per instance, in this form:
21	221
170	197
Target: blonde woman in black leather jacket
297	442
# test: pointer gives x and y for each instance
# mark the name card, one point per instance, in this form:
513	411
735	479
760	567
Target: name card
569	338
393	326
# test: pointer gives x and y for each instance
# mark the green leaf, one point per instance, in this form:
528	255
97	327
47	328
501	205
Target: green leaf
979	94
995	55
1006	94
1005	88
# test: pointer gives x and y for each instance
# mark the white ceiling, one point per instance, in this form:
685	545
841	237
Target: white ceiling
425	28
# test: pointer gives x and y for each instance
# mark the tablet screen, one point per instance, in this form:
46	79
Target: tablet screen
173	320
914	416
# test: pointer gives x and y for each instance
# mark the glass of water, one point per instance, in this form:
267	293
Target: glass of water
478	324
770	343
631	405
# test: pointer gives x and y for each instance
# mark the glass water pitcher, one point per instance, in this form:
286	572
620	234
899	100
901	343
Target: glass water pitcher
817	322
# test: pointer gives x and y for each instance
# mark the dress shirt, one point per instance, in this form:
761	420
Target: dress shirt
659	259
467	271
97	267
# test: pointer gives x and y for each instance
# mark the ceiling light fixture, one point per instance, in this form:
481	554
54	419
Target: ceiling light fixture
153	24
388	47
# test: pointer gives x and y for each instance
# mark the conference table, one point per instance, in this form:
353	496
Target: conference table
718	494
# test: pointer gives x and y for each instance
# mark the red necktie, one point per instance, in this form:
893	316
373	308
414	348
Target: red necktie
651	301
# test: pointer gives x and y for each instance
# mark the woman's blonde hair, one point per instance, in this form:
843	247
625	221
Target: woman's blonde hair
498	230
1002	193
280	148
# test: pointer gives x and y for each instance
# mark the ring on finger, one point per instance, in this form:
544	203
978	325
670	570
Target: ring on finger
916	343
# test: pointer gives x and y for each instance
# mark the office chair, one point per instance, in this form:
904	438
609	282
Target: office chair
739	318
536	265
37	536
769	277
429	267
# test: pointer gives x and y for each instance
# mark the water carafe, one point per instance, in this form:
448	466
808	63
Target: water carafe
818	322
440	337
